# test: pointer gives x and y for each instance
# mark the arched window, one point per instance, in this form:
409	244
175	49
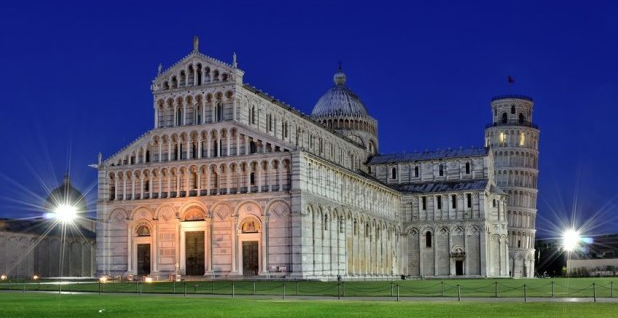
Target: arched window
252	116
428	239
393	173
513	109
147	155
467	168
252	147
416	172
441	170
521	118
504	118
252	178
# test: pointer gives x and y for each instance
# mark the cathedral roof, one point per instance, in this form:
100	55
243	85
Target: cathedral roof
39	226
429	155
512	96
339	101
432	187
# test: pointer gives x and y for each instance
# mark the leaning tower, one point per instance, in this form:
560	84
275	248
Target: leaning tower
514	140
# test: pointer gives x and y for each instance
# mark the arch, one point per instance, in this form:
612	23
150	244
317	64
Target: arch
142	212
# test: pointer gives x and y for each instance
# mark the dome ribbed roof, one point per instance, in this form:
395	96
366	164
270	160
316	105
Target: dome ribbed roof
66	194
339	101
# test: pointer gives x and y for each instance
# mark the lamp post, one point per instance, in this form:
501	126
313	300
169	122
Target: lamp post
570	241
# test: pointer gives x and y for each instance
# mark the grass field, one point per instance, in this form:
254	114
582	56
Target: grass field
16	305
560	287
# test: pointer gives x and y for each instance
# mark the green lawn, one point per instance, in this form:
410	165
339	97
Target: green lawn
53	305
560	287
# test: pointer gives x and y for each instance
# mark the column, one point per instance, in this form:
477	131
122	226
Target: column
199	146
234	244
265	244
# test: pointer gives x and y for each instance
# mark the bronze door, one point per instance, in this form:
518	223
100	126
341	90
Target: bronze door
194	248
250	263
143	259
459	268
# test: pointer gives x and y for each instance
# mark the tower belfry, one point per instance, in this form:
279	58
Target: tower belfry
514	140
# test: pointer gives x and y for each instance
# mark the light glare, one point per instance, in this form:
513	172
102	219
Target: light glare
66	213
570	240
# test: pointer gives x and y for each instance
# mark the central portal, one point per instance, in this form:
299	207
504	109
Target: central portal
250	265
194	248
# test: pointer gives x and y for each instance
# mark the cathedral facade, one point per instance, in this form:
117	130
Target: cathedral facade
231	182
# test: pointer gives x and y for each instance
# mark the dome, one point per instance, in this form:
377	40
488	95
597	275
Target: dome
66	194
339	101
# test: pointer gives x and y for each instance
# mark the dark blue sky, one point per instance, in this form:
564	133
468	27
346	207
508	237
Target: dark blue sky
75	80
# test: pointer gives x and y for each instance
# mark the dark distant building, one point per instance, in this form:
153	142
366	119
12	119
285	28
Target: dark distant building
34	246
595	256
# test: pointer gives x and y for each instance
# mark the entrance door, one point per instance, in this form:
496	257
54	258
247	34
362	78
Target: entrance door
194	248
143	259
459	268
250	263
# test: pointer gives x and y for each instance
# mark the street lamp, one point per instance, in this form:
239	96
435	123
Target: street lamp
570	242
65	213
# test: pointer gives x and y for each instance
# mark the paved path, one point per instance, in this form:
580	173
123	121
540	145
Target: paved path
332	298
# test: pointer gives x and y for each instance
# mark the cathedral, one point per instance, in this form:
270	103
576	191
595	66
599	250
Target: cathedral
232	183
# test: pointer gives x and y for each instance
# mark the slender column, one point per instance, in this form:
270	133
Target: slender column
199	146
155	253
204	112
184	114
116	188
175	115
228	179
141	187
234	243
228	137
208	147
467	256
265	244
189	147
194	76
210	226
247	144
259	177
198	175
156	117
237	143
160	145
129	250
159	179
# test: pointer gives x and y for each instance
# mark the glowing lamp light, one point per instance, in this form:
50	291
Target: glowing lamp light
103	279
570	240
3	277
66	213
148	279
35	277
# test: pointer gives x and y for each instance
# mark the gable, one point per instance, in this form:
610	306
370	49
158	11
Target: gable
195	69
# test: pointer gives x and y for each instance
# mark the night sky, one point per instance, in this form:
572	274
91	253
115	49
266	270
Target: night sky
75	81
